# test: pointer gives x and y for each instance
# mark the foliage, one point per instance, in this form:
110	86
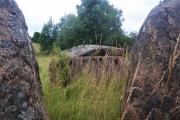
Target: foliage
48	35
97	22
102	22
36	37
55	71
68	35
132	36
59	67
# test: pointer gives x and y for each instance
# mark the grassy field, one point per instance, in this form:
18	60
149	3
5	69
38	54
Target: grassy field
83	99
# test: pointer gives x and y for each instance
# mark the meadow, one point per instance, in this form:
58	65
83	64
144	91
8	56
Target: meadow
84	98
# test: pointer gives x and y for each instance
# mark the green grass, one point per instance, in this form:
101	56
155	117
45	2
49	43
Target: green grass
84	99
36	48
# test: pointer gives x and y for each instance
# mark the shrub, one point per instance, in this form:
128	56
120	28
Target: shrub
58	67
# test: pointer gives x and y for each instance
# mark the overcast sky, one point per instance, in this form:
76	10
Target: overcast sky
38	12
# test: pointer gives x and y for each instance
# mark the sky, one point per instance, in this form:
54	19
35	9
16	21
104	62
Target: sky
38	12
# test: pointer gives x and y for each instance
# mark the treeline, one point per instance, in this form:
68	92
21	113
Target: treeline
96	22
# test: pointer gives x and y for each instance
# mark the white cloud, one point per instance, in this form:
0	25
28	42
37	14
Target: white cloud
134	12
38	12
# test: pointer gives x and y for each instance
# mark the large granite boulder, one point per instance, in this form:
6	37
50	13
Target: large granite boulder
21	96
94	50
153	86
100	61
100	67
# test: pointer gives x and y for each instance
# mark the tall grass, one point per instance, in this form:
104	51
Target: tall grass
85	98
37	48
128	110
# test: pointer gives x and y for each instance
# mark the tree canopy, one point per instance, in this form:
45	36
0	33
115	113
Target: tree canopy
48	35
36	37
70	29
101	21
96	22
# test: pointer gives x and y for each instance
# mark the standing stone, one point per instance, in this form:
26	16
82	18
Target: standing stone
153	86
21	96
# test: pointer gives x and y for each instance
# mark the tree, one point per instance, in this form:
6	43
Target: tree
101	21
69	32
97	22
133	36
48	35
36	37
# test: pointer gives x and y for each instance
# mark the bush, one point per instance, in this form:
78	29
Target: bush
58	67
55	71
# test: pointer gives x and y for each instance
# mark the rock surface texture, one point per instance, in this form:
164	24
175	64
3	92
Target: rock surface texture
103	60
153	86
21	96
101	67
94	50
100	61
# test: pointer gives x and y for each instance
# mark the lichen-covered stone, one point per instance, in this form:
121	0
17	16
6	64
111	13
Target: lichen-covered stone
94	50
153	86
21	96
101	61
101	67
